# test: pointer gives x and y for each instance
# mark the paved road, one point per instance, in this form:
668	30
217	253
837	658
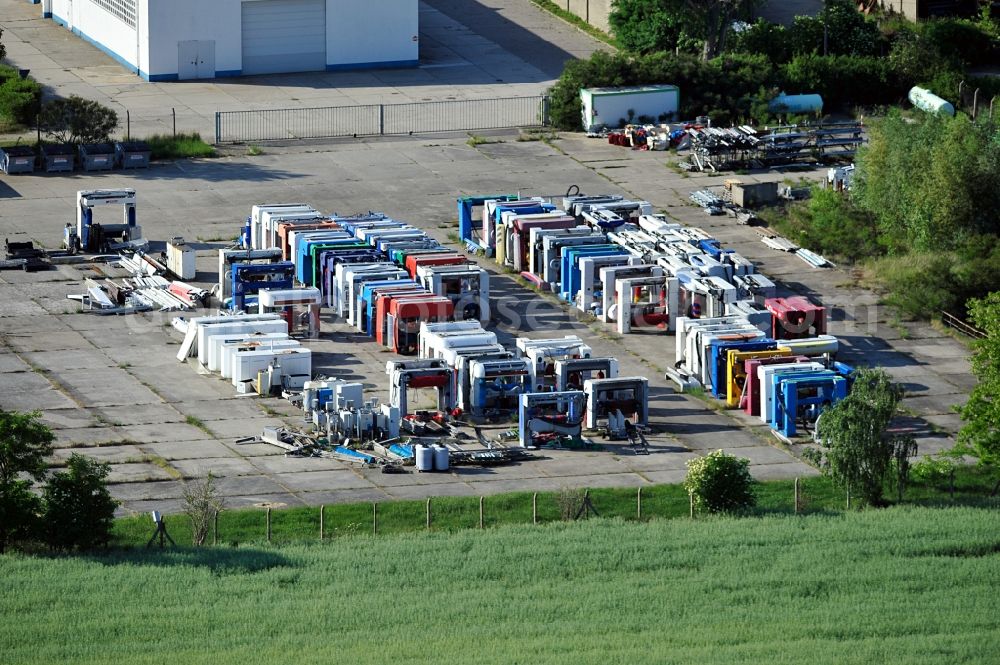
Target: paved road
468	50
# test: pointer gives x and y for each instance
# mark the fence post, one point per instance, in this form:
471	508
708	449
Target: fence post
173	113
848	497
534	508
218	127
482	499
322	509
975	103
796	496
374	518
269	524
428	512
128	125
381	119
638	504
691	504
215	531
546	110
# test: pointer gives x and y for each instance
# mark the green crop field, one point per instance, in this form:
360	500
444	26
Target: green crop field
901	585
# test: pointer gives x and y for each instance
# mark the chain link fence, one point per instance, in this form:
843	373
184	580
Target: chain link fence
380	119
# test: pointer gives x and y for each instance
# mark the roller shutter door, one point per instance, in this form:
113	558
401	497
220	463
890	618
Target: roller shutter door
284	36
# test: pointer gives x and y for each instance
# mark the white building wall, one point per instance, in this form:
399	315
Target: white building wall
362	34
358	35
194	20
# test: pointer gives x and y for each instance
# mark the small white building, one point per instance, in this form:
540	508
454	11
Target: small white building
169	40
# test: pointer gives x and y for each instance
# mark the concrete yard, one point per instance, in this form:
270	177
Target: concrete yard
111	387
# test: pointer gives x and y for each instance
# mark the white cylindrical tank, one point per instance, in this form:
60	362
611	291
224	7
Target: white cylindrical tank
926	100
811	103
424	458
441	458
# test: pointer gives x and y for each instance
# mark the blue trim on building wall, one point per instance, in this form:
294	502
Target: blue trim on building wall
79	33
155	78
387	64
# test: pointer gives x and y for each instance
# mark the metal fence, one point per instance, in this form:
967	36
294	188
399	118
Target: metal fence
380	119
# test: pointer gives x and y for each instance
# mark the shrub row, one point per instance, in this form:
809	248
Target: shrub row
731	87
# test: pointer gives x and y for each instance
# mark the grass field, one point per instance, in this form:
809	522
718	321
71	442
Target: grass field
901	585
817	494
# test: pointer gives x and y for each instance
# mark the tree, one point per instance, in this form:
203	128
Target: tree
855	449
839	29
201	503
720	483
661	25
646	26
980	435
932	183
24	445
78	508
77	120
716	19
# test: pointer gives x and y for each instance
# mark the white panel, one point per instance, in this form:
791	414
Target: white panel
284	36
362	36
187	60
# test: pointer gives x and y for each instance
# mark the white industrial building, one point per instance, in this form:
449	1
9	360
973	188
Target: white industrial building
169	40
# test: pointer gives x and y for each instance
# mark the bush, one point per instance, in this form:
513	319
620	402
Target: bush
726	88
932	184
182	146
78	120
720	483
923	284
765	38
20	99
848	32
78	509
829	224
933	470
19	508
844	81
959	39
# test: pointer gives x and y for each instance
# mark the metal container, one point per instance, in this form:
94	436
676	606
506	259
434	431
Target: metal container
58	157
133	154
180	258
17	159
615	107
97	156
441	458
424	457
